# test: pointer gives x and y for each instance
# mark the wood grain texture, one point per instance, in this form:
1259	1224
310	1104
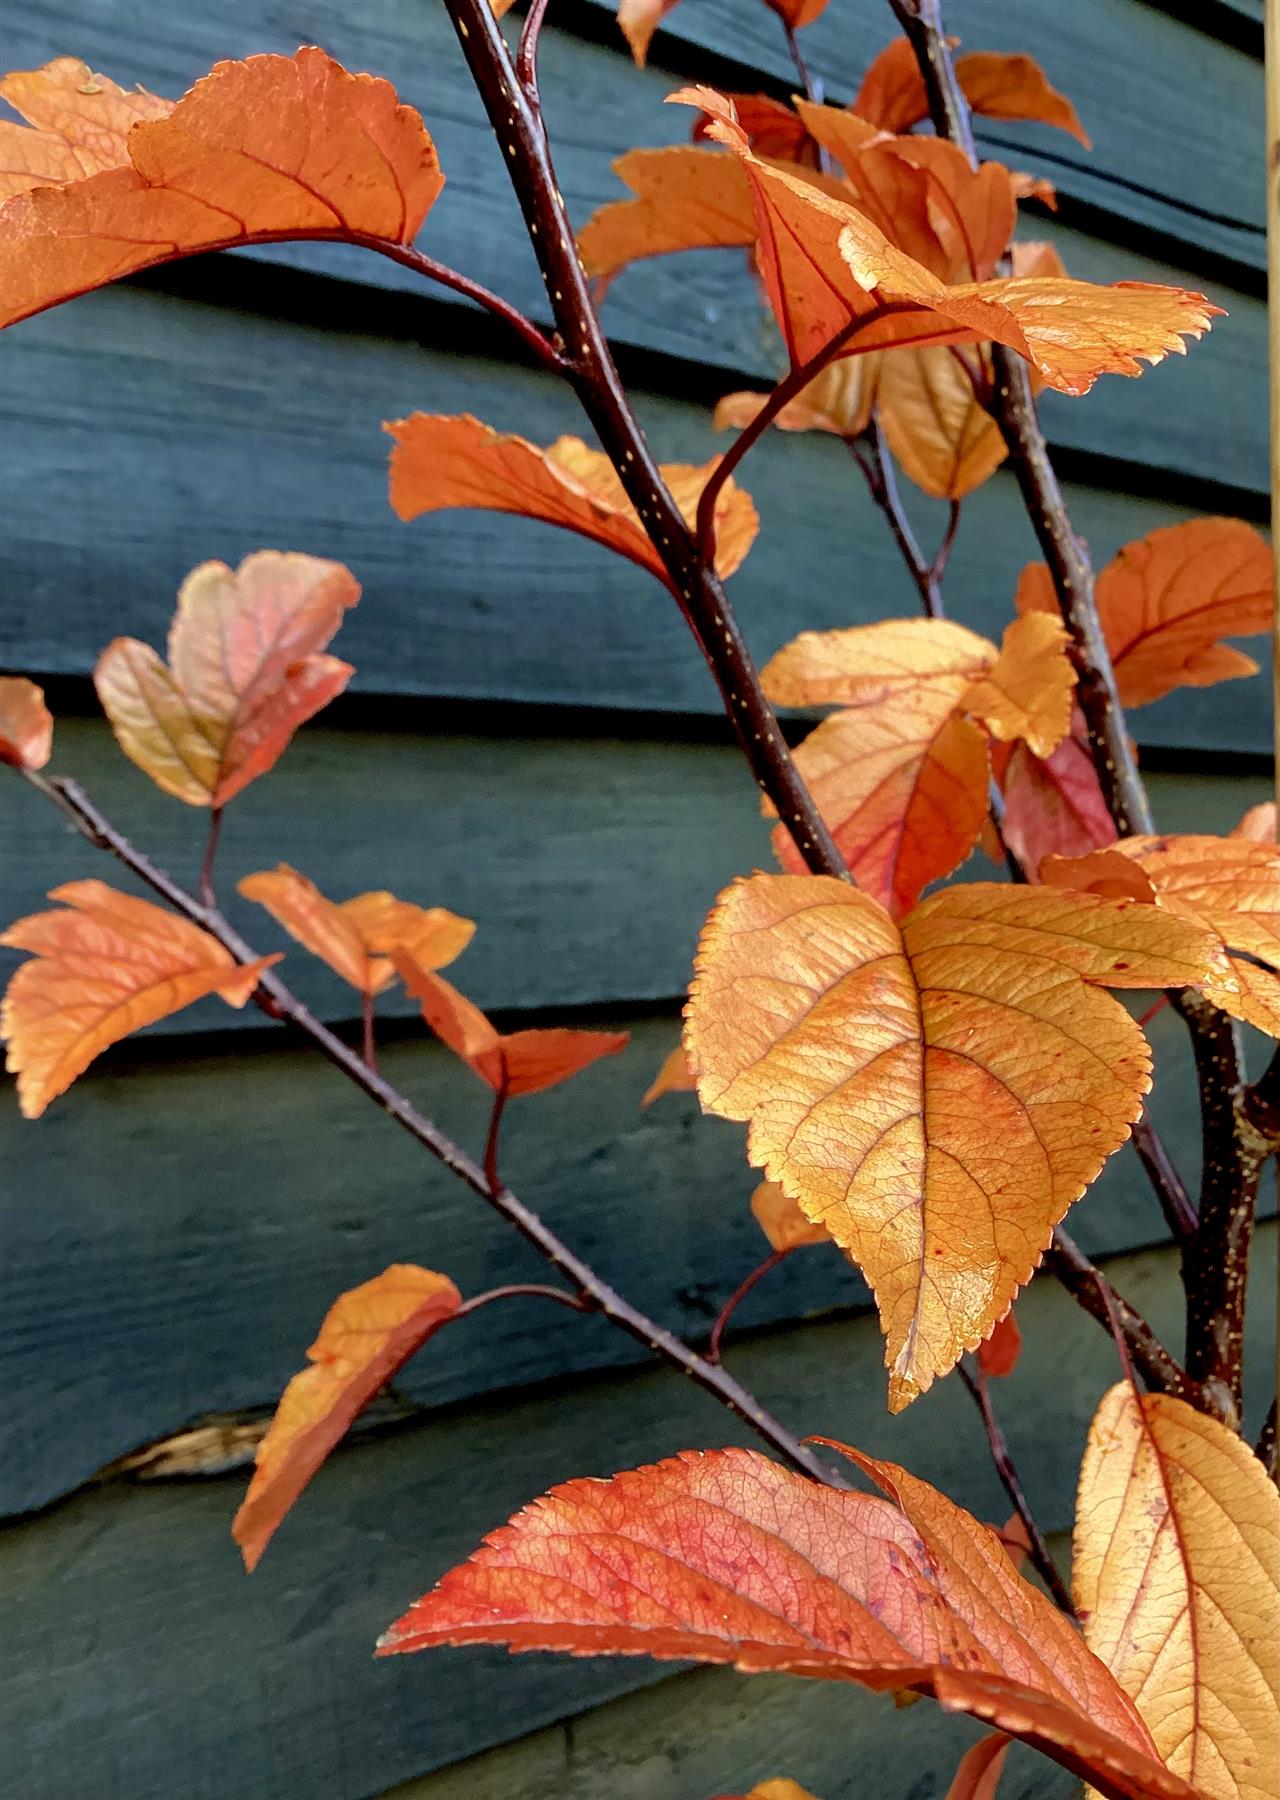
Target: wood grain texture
232	1198
211	433
589	862
140	1662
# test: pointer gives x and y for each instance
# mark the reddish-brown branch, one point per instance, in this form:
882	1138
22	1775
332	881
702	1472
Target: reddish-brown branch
1265	1448
491	1173
520	1290
736	1298
279	1002
976	1382
368	1034
207	891
1090	1287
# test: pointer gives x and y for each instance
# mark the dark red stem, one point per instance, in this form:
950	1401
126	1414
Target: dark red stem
207	892
368	1037
491	1173
735	1299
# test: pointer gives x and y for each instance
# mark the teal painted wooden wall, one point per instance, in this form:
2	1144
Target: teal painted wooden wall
530	739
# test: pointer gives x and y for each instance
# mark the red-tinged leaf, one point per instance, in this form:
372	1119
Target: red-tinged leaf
368	1333
998	1354
673	1077
355	937
1054	806
826	267
1177	1553
773	128
979	1770
782	1219
26	725
245	670
638	20
726	1558
276	146
936	1094
1168	600
441	462
797	13
1230	884
1027	693
1259	823
102	966
518	1062
77	123
996	85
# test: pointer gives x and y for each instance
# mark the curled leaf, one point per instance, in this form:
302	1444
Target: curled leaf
511	1063
244	671
838	400
77	124
1177	1549
936	1094
102	966
26	725
440	462
672	1078
368	1333
275	146
726	1558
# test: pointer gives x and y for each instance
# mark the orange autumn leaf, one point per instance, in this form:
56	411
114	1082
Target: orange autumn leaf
979	1770
1053	805
368	1333
997	85
1168	600
1258	823
273	147
861	664
441	461
998	1354
1027	693
349	934
777	1787
1177	1553
827	267
797	13
936	1094
77	123
724	1557
672	1078
944	440
1231	884
638	20
782	1221
773	128
245	670
102	966
511	1063
26	725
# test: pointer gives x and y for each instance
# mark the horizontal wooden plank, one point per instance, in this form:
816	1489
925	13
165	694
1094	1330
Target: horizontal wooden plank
232	1197
589	862
1190	170
139	1662
212	432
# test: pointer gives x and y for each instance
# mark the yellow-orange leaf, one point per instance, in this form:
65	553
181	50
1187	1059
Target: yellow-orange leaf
244	671
276	146
826	267
684	198
782	1220
26	726
441	462
727	1558
935	1094
511	1063
861	664
1027	693
838	400
672	1078
996	84
638	20
1259	823
77	123
1231	884
103	966
1167	601
1177	1554
368	1333
946	443
356	937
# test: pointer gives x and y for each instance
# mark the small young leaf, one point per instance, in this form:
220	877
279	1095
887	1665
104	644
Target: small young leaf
672	1078
998	1354
290	146
936	1095
26	726
80	122
1027	693
782	1220
1167	601
368	1333
1053	805
103	966
349	935
441	462
1177	1549
724	1557
997	85
1259	823
517	1062
979	1770
638	20
244	671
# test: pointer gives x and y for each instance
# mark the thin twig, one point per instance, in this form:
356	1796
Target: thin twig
368	1035
527	52
736	1298
491	1173
521	1290
1265	1448
208	893
975	1380
279	1002
812	89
